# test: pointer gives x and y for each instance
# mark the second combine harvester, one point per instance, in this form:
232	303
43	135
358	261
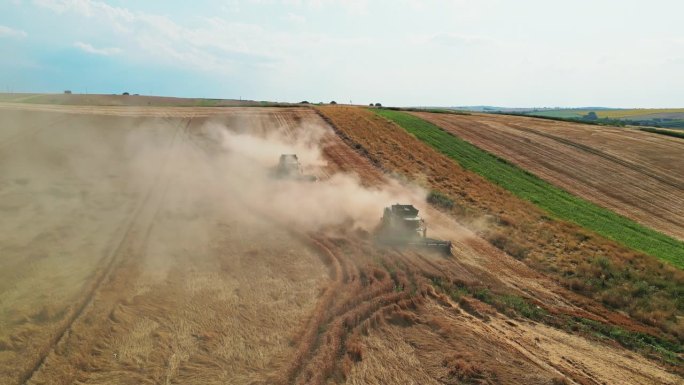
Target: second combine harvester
289	168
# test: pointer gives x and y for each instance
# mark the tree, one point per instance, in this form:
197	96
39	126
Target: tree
591	116
378	105
333	102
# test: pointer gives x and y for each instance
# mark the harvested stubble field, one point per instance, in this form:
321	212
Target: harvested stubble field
120	100
556	201
634	173
152	246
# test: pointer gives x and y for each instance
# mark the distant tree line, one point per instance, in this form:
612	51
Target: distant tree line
675	134
654	122
592	118
659	122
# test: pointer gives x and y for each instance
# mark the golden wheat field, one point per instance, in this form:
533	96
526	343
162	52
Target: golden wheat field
152	245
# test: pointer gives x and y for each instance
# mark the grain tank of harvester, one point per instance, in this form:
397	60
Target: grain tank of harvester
401	226
289	168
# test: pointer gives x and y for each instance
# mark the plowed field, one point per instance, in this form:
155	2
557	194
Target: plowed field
631	172
154	246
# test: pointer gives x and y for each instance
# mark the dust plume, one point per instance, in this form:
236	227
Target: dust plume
246	162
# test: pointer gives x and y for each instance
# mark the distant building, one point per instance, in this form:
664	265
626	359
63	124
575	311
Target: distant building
67	92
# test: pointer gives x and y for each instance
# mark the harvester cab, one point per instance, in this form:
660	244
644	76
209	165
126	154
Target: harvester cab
402	226
403	220
289	168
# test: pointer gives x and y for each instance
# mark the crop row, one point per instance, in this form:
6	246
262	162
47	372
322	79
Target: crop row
558	202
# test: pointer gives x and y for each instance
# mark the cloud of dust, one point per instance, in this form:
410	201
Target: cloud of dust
218	167
247	162
72	184
193	196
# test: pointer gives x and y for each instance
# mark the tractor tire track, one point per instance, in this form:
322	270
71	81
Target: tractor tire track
343	273
346	304
308	337
111	261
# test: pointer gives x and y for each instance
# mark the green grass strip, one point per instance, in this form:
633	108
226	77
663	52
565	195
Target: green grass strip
558	202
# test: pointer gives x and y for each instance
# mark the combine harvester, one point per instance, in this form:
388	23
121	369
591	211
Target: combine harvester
289	168
401	226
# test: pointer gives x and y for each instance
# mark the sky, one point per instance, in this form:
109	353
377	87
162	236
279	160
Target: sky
524	53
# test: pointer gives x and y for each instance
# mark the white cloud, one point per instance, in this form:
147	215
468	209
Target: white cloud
455	39
295	18
88	8
458	42
350	6
209	44
359	7
97	51
147	36
230	6
11	32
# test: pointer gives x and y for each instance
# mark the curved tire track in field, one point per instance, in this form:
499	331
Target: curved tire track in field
359	298
112	260
365	292
315	336
481	265
360	295
308	334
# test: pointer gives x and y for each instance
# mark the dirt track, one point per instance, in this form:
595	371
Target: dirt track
625	170
127	260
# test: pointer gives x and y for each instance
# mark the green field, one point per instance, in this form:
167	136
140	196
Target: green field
628	114
554	200
564	114
638	113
